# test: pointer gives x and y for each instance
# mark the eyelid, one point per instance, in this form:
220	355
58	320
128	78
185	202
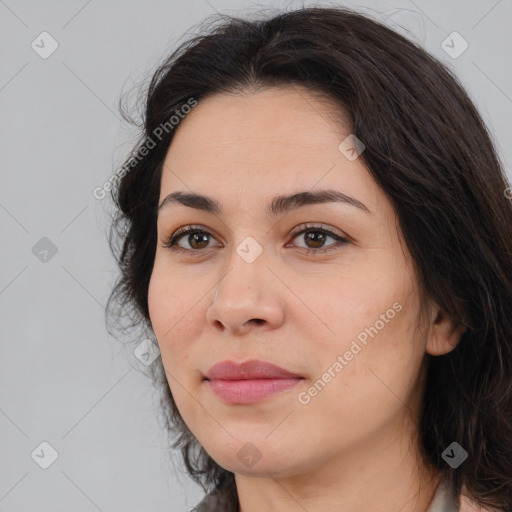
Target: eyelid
320	226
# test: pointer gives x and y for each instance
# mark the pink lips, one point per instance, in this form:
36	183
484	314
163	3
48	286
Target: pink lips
250	381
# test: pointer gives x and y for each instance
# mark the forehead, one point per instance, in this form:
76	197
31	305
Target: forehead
282	117
260	142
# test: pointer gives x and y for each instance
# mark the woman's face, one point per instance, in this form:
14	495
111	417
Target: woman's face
344	316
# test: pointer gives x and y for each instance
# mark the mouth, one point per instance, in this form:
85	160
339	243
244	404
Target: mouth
250	381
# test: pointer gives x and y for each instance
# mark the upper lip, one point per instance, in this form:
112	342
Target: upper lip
253	369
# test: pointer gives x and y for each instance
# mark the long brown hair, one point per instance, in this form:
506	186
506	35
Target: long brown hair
428	149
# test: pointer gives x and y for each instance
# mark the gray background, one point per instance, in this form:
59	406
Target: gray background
63	379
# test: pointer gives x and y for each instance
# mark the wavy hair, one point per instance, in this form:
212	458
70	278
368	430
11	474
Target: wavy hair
429	151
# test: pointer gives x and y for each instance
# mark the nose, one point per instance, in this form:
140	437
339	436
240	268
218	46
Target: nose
248	297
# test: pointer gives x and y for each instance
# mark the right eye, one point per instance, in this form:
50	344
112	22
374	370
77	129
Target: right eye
197	239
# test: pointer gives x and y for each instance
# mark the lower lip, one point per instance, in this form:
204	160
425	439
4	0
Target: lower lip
251	390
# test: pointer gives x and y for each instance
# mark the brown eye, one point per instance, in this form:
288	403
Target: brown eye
315	237
197	240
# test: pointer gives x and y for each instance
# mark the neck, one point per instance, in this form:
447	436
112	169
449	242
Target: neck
384	473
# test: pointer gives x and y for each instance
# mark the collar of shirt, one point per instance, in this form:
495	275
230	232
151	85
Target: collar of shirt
444	499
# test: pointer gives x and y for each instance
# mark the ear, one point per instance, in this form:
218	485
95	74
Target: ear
444	333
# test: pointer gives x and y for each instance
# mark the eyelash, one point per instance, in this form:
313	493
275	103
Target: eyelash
186	230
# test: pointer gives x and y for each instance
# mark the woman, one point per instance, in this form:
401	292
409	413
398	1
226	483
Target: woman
315	229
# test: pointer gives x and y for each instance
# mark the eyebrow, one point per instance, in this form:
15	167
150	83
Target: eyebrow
278	205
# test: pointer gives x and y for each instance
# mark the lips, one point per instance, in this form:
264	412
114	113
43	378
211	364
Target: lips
253	369
250	381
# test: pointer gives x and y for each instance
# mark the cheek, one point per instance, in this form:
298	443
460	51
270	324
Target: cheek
159	305
353	302
359	387
172	316
372	340
169	311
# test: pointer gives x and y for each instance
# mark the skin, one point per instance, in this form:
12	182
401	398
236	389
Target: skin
354	445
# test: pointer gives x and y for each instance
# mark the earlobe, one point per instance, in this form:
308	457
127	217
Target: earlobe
444	334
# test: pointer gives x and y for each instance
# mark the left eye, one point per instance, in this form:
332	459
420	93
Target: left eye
198	239
317	236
